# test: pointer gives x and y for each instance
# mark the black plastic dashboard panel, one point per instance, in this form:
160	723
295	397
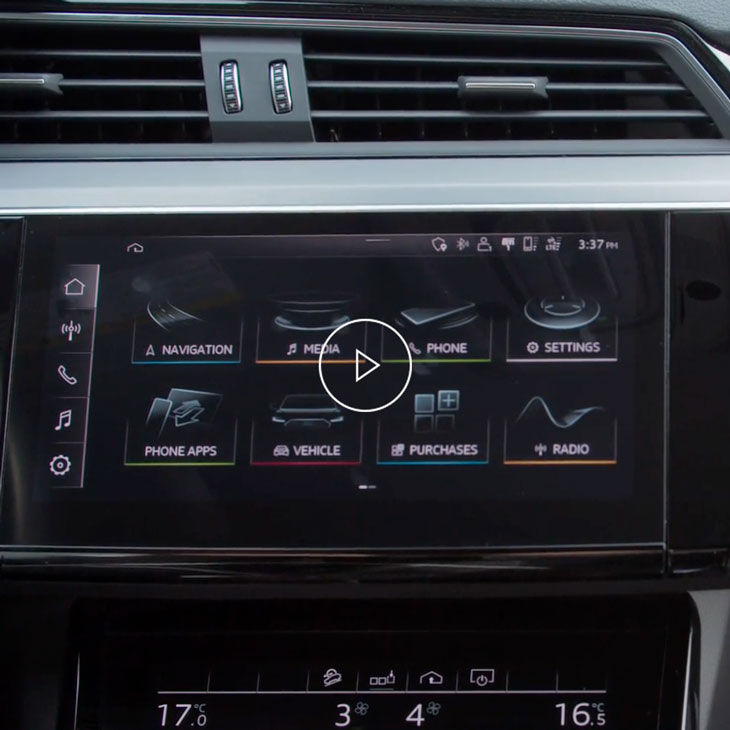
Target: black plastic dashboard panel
604	489
699	501
618	665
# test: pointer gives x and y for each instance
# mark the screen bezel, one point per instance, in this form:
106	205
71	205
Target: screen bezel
639	521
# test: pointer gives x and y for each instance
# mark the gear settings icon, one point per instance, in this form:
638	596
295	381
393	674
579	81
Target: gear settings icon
60	465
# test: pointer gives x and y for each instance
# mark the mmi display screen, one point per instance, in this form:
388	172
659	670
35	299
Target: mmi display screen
304	382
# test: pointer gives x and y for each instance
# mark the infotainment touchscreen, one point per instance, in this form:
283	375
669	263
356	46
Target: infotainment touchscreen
400	381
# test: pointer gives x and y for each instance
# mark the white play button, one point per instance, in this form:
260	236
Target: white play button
390	378
364	371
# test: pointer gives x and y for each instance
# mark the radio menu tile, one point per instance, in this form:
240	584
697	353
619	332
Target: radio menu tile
547	433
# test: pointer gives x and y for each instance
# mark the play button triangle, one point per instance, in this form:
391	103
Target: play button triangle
363	369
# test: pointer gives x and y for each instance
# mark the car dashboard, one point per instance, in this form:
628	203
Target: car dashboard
364	365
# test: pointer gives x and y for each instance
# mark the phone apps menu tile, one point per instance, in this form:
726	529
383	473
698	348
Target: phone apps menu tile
563	329
306	429
435	425
547	432
182	427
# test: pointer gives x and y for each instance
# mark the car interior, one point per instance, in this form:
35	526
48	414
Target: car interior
364	364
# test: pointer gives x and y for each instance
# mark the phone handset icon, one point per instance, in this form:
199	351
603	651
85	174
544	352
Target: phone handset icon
63	374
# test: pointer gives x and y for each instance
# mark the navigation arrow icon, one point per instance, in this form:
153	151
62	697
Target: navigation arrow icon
363	373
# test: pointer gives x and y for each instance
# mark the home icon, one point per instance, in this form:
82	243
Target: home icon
432	679
135	248
74	288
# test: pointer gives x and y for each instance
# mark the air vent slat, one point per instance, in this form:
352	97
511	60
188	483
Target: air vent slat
427	87
132	83
407	86
436	60
94	114
562	116
116	86
110	53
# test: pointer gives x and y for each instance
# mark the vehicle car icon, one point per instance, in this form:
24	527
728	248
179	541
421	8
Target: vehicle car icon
307	411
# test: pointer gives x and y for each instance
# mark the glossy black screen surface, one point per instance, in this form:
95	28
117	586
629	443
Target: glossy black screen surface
338	382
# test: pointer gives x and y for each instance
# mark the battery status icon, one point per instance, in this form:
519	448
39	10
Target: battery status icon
529	244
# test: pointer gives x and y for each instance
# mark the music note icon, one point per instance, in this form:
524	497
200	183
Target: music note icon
292	349
64	420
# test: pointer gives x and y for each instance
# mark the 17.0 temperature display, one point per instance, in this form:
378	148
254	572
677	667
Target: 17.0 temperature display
183	714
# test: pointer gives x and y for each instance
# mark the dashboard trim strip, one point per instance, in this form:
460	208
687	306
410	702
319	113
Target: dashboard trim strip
688	182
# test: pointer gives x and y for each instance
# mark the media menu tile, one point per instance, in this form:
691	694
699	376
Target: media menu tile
283	344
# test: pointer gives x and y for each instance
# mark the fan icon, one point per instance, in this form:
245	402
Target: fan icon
361	708
433	708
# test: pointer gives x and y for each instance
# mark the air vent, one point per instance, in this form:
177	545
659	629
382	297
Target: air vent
101	85
405	87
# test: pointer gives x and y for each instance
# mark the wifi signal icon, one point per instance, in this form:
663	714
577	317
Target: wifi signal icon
70	329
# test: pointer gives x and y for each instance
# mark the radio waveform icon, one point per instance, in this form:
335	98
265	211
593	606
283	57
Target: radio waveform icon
538	405
70	329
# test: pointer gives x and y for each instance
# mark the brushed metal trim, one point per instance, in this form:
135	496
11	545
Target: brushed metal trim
687	675
668	206
721	56
349	24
